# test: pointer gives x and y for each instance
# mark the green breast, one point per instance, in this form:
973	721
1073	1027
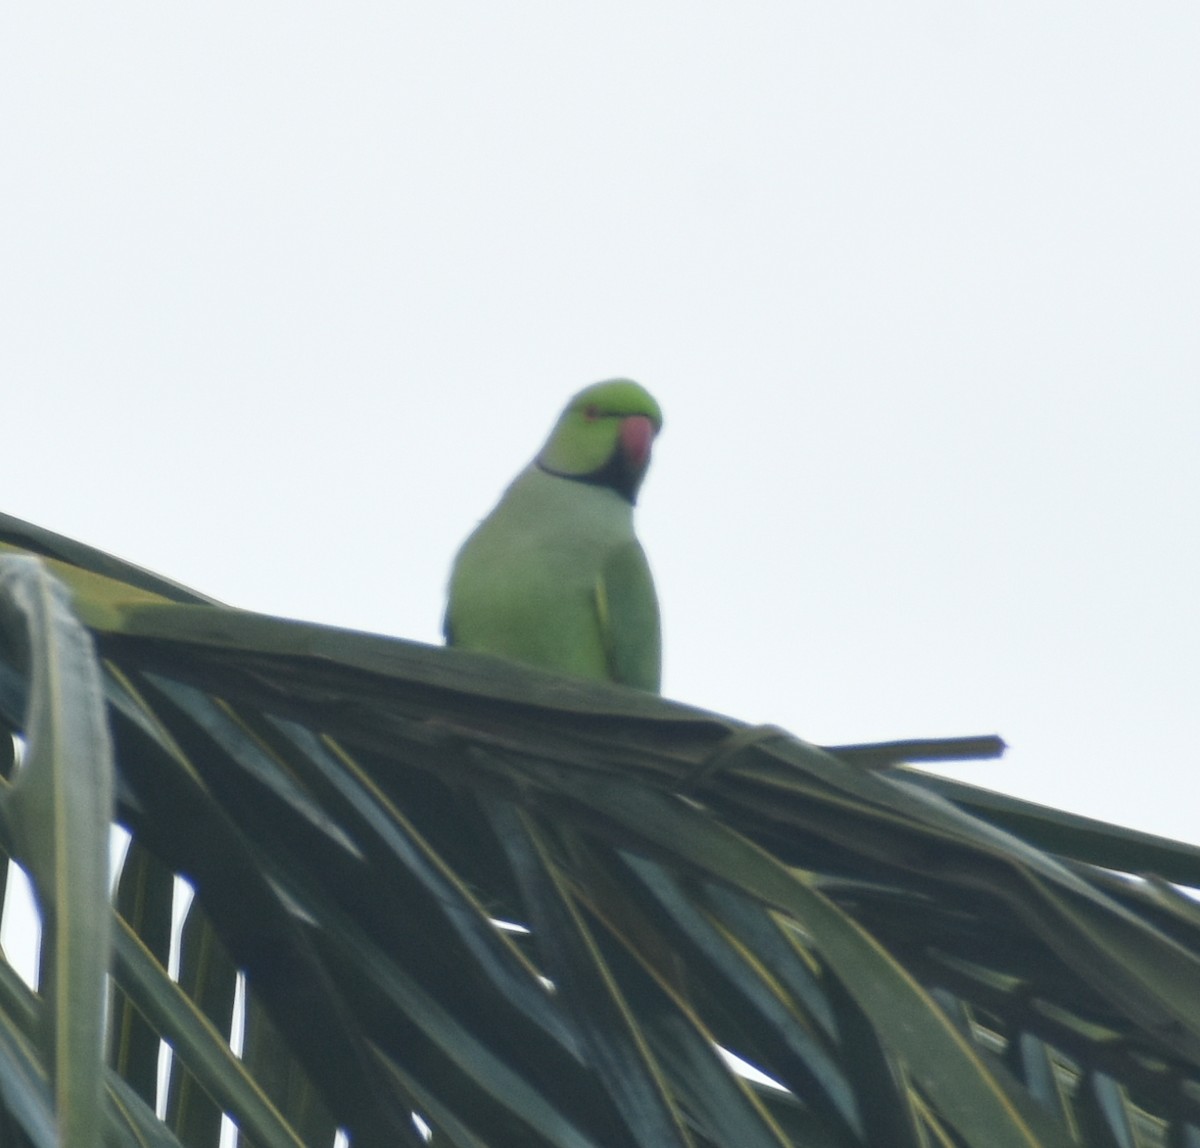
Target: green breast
524	583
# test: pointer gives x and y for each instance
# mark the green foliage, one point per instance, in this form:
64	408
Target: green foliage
539	912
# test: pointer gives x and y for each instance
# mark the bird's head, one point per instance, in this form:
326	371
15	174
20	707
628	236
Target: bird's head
604	437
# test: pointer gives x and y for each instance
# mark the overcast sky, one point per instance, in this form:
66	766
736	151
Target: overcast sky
289	291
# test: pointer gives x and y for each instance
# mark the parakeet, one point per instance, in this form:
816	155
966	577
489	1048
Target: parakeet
555	576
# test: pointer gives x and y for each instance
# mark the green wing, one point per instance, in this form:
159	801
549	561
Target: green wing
627	608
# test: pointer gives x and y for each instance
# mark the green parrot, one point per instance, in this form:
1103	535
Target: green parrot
555	575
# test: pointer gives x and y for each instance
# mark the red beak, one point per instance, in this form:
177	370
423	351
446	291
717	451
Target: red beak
637	435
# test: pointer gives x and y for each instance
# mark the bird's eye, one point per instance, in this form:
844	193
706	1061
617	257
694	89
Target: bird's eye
591	413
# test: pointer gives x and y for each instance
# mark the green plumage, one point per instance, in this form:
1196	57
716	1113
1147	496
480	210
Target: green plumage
555	575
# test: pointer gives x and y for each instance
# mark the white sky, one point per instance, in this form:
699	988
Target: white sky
289	291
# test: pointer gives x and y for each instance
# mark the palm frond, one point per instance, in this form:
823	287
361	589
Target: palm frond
527	910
